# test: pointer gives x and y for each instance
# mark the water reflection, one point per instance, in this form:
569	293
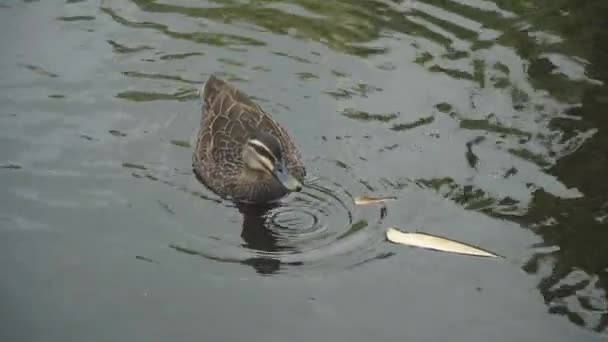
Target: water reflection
527	104
498	106
314	229
258	237
577	285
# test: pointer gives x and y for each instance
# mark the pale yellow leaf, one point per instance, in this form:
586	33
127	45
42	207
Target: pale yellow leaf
363	200
438	243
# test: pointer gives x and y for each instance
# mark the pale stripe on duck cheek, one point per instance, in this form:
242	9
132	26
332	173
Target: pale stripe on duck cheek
266	162
262	150
256	160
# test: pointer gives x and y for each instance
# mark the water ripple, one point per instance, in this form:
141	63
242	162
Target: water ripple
315	230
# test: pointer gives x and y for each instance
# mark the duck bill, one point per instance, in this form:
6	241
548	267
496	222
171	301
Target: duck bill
287	179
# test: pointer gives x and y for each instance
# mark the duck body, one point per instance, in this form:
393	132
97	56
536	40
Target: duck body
231	126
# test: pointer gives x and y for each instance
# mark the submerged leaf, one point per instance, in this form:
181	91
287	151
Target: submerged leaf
433	242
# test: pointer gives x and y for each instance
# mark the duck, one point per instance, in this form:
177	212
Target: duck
241	153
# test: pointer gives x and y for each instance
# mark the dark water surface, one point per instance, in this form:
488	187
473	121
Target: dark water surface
485	119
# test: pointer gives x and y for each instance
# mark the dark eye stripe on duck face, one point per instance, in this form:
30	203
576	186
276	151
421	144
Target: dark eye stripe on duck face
262	150
270	142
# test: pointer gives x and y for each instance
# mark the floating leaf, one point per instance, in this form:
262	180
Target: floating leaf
433	242
363	200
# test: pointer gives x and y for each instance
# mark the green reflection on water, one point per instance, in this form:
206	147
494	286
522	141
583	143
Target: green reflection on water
120	48
365	116
209	38
355	28
158	77
77	18
39	70
180	55
486	125
410	125
143	96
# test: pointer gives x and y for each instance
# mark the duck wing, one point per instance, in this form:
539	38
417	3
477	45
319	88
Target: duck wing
233	117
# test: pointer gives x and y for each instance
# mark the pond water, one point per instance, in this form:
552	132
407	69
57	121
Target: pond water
484	119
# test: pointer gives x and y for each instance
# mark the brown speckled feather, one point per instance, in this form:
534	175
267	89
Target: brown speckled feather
229	119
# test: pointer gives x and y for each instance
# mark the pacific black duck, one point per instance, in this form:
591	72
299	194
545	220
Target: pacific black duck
241	152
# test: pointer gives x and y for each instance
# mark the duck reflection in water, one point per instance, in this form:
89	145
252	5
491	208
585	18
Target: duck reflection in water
257	236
